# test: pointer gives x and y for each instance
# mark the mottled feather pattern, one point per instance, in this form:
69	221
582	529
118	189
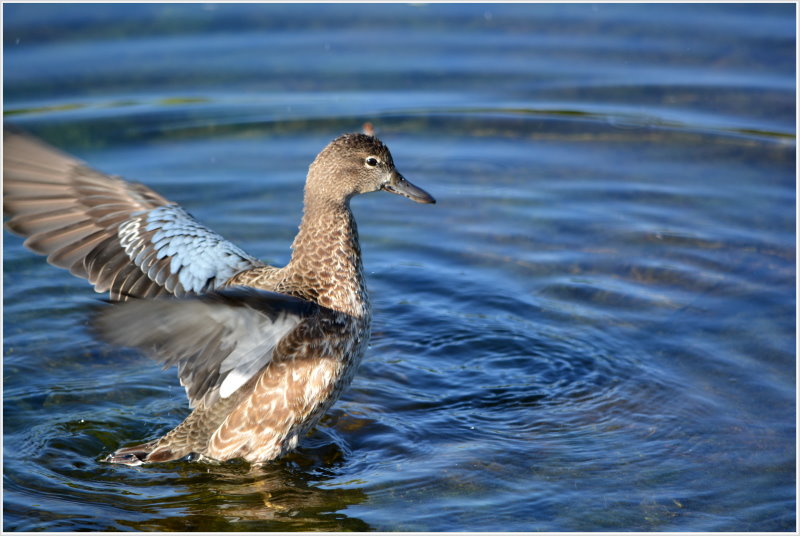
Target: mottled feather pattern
318	360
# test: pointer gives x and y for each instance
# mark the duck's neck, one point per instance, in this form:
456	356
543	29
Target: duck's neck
326	257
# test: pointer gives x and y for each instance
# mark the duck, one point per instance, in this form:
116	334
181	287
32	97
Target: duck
262	351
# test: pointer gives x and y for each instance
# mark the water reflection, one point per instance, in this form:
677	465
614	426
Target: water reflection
240	497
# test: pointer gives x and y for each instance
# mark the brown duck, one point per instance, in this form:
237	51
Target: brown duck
262	351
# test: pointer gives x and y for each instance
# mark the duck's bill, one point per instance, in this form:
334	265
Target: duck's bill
400	186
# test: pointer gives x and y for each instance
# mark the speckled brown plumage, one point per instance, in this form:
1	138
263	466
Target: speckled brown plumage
262	351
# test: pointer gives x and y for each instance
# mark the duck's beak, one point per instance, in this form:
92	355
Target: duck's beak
397	184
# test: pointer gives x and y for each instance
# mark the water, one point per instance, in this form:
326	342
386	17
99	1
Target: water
594	328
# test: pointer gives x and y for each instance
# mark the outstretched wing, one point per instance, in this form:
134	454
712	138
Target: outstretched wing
218	340
121	236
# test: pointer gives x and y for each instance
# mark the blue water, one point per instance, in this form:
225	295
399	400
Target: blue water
593	329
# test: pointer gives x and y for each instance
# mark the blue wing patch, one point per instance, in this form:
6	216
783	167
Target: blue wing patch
180	254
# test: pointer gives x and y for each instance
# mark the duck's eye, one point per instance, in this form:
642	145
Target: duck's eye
371	161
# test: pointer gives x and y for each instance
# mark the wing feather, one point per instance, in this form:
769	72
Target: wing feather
217	340
103	228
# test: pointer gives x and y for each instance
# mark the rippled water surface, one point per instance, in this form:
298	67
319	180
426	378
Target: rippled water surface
594	328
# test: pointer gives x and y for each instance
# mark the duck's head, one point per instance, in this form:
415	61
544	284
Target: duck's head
356	164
